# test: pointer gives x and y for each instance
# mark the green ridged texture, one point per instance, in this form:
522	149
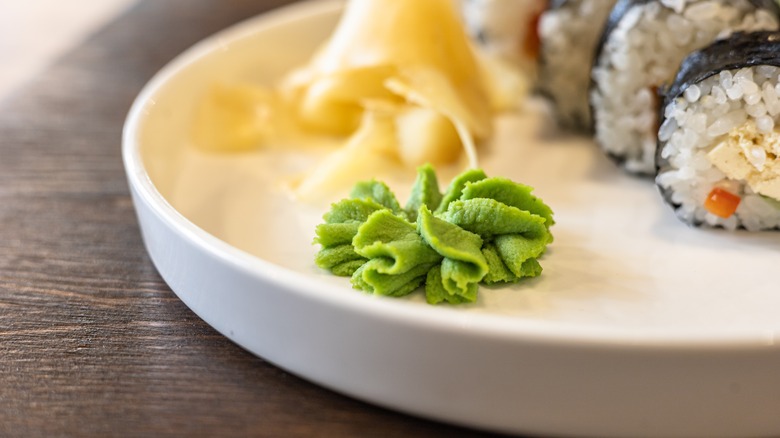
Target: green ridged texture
335	236
455	190
463	266
510	193
378	192
490	218
425	192
479	231
398	257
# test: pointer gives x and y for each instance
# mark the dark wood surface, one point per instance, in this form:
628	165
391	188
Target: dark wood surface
93	342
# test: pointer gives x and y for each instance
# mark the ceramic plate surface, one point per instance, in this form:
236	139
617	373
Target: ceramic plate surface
638	326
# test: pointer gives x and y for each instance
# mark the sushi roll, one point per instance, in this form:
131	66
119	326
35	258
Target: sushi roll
569	31
506	29
640	50
719	144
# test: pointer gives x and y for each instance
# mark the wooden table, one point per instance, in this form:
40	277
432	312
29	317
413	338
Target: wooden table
93	342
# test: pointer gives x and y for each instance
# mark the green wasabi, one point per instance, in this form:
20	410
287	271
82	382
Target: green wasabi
479	231
335	236
425	192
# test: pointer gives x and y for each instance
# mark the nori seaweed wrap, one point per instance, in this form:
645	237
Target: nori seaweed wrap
640	51
718	153
569	31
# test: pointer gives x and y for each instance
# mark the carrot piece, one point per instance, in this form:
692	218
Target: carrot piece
722	203
533	41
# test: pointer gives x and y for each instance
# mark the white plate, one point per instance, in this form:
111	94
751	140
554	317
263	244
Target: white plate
638	326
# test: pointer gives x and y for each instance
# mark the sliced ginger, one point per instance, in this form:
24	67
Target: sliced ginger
411	59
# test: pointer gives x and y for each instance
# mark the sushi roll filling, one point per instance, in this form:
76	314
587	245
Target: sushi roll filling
749	155
642	48
720	150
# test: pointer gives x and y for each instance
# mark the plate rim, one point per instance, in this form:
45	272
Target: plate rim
399	311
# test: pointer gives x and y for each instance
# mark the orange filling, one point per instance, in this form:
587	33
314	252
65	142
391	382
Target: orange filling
656	99
722	203
533	42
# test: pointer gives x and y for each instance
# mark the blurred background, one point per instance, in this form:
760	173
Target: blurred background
33	33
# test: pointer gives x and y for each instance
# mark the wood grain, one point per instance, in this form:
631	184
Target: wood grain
93	342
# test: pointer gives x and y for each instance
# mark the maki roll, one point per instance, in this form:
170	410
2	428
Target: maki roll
569	31
505	28
719	144
640	50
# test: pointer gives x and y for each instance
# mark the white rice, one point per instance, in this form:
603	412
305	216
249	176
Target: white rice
569	37
697	122
642	53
